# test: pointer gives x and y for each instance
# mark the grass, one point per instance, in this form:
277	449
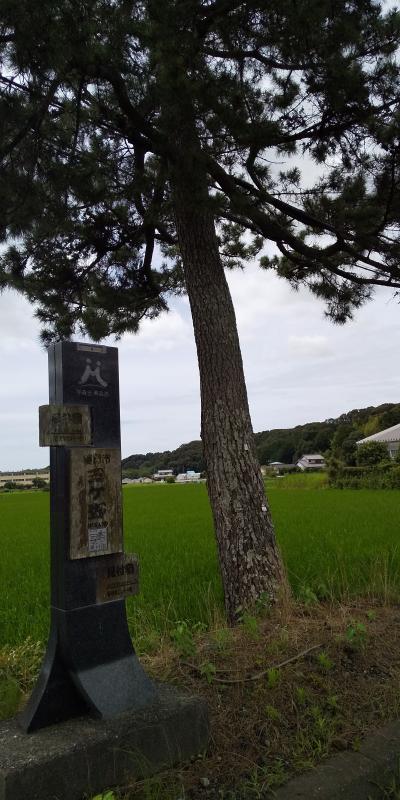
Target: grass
299	480
281	702
336	545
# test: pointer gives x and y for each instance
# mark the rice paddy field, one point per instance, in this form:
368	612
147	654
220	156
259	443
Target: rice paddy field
336	544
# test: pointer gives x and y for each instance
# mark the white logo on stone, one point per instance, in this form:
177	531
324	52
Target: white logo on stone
92	375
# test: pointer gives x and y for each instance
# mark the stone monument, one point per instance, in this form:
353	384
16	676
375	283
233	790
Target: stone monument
90	664
90	670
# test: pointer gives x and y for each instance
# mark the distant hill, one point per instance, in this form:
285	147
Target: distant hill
281	444
187	456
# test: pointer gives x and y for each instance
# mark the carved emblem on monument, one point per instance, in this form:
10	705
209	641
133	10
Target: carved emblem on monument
92	375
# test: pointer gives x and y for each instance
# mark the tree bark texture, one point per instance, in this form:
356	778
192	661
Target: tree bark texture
250	563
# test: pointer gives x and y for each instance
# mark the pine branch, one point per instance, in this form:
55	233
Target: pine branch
34	120
147	133
236	54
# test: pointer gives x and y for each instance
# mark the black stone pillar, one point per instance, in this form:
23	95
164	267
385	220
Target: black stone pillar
90	665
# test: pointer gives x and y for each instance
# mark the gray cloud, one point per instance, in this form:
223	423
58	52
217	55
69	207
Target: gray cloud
299	367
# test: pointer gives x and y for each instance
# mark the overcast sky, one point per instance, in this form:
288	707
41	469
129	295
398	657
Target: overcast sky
299	367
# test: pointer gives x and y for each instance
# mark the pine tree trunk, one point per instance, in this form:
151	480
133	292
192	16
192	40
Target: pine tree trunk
249	559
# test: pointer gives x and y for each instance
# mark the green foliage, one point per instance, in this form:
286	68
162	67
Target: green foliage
385	475
371	453
250	624
338	435
19	667
273	677
187	456
301	695
272	713
260	780
208	670
372	426
223	638
324	662
20	663
39	483
211	91
301	480
307	596
356	634
10	697
332	702
183	638
110	795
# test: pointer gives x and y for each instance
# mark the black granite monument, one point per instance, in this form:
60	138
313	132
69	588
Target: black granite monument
90	666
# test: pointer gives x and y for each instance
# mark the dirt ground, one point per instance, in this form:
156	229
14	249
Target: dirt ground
285	689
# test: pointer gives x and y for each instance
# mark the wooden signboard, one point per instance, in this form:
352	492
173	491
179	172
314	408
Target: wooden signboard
64	425
95	502
118	578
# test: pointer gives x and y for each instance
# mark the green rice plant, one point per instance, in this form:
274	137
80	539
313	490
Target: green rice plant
340	544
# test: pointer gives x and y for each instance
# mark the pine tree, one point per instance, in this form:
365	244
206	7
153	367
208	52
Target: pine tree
147	146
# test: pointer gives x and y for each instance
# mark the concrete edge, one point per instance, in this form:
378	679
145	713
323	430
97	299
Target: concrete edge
84	757
353	775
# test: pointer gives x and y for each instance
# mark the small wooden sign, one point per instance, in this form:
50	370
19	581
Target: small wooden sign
119	578
95	502
64	425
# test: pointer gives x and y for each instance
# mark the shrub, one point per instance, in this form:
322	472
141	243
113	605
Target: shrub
371	453
382	476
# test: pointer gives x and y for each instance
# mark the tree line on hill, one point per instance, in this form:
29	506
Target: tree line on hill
335	438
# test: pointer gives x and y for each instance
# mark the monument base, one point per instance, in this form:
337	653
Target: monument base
85	756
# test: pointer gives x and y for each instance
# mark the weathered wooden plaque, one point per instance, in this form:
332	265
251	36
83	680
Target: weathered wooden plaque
95	502
66	425
117	579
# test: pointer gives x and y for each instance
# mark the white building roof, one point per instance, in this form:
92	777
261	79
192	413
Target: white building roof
311	455
388	435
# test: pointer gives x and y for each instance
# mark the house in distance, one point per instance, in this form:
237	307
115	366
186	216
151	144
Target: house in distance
163	474
390	437
311	461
